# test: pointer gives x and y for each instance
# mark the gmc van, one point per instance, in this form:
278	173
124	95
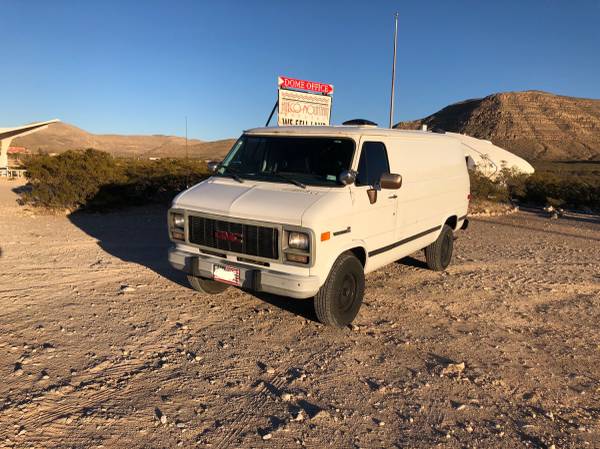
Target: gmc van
308	211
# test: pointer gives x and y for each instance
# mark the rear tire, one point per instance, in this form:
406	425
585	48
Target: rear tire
439	254
206	286
339	299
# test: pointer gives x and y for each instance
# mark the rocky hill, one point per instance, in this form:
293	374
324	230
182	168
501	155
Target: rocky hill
61	137
532	124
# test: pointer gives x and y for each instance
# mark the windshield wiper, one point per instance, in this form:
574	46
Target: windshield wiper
291	180
233	173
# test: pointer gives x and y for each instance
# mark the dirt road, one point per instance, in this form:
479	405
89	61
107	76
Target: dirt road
103	345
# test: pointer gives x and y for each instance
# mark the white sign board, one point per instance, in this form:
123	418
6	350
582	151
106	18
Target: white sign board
303	109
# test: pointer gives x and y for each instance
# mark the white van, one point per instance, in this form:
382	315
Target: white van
308	211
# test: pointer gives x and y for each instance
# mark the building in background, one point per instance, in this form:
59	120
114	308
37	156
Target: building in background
8	134
490	159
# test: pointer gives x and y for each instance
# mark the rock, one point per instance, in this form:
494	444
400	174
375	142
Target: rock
126	289
454	368
163	419
321	414
270	370
286	397
531	124
267	436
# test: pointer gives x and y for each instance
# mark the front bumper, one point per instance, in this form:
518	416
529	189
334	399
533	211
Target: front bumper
254	278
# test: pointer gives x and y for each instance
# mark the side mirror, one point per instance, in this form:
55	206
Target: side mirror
347	177
390	181
213	166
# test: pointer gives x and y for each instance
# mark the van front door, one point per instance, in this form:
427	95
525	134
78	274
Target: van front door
375	221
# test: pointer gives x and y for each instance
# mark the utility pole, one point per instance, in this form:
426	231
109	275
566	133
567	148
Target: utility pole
393	71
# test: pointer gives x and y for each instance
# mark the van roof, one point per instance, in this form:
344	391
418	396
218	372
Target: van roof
341	130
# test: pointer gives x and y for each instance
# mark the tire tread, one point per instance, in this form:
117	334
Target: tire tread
433	252
324	300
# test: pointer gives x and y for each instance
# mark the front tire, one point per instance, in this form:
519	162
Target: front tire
206	286
339	299
439	254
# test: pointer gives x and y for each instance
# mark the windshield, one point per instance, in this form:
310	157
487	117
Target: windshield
307	160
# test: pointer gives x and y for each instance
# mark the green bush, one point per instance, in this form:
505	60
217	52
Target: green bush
70	179
562	188
483	188
149	181
549	189
95	180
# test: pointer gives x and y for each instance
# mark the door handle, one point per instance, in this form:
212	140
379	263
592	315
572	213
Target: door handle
393	197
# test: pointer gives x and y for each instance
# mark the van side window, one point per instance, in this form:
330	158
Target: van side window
372	164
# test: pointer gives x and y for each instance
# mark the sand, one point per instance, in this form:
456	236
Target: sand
102	344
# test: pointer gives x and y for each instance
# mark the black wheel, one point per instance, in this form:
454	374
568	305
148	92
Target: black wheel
439	254
341	296
207	286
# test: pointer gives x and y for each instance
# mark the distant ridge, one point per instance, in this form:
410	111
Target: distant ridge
61	137
533	124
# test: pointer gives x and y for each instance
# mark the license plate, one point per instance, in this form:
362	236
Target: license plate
227	274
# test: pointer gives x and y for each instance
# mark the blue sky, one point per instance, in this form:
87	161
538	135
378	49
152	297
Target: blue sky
139	67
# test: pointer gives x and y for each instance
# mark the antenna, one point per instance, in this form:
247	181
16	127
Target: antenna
187	162
393	71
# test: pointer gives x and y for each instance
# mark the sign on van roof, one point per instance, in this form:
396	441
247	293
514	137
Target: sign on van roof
303	103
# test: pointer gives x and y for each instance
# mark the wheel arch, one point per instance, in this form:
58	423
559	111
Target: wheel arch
356	247
361	254
452	221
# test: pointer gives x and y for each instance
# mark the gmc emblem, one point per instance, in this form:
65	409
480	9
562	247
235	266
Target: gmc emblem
235	237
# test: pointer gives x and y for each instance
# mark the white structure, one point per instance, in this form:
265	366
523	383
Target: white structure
315	208
488	158
8	134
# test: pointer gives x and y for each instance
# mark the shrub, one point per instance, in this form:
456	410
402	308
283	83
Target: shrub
149	182
68	180
483	188
95	180
546	187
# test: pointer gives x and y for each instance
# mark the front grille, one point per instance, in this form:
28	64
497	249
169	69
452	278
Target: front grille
260	241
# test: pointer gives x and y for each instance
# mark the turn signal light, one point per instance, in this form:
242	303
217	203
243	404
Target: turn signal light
177	235
325	236
297	258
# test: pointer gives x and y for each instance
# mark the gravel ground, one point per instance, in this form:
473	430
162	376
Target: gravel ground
103	345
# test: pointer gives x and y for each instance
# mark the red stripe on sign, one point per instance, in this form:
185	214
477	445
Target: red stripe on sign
292	83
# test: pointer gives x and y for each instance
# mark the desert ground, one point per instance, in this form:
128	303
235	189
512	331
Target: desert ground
102	344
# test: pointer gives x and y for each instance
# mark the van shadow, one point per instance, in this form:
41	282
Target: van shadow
140	236
410	261
301	307
137	235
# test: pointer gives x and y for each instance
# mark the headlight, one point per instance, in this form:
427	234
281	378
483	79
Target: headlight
178	220
298	240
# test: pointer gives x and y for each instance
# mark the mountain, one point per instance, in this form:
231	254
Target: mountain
532	124
61	137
